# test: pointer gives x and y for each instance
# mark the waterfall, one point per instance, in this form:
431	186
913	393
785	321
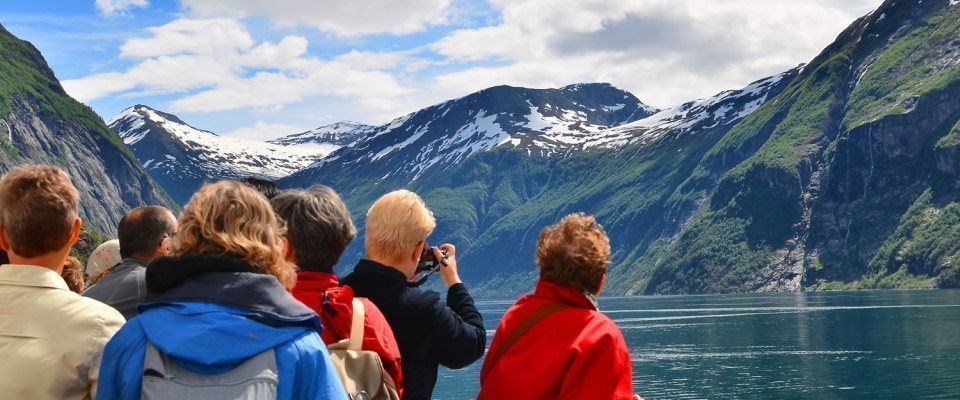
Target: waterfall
9	131
866	181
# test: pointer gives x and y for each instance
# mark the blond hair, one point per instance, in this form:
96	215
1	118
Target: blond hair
396	222
38	207
229	218
575	251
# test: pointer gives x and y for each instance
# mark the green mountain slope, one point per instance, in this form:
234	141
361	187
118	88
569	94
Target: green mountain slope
838	189
42	124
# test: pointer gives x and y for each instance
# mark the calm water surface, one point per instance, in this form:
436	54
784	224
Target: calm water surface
835	345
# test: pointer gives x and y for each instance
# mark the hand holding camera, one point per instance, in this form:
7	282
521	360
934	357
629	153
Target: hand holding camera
438	259
447	254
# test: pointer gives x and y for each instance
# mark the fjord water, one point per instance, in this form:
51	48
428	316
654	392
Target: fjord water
812	345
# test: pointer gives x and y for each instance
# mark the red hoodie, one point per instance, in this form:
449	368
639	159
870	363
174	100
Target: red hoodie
574	353
334	304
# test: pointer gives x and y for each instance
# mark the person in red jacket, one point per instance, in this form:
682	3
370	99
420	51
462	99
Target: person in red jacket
554	343
318	231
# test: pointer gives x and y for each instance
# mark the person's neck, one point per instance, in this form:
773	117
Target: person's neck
141	258
52	261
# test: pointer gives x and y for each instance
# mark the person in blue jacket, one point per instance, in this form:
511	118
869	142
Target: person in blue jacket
218	321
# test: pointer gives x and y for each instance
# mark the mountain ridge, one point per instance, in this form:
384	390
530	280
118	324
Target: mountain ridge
42	124
182	157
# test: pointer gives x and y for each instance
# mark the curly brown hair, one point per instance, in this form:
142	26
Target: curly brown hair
72	274
575	251
230	218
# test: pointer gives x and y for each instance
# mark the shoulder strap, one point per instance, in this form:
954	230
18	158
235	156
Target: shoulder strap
356	326
522	328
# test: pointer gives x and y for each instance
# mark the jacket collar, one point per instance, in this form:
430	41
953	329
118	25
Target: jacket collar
380	273
564	294
31	275
165	273
134	262
315	281
227	281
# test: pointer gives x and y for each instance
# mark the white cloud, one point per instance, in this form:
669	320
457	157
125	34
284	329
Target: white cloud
663	51
191	36
342	18
215	65
266	131
114	7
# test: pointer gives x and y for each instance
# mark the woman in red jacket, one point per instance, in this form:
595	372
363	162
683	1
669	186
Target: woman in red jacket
554	343
318	231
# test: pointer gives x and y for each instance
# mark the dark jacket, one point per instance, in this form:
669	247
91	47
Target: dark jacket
210	314
123	288
429	332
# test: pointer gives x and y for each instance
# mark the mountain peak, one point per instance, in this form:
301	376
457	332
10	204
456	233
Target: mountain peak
182	157
328	138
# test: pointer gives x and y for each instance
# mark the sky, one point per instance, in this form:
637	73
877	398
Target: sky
266	68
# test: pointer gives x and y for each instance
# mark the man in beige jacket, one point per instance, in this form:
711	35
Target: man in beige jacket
51	339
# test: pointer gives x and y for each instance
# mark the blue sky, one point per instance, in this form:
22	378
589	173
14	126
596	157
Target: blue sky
262	69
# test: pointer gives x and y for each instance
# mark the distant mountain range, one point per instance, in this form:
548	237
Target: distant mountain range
181	157
843	173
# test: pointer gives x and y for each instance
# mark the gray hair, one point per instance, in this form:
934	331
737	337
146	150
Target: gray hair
318	225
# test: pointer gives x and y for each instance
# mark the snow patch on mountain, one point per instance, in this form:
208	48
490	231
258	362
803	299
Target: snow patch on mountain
326	139
724	108
184	150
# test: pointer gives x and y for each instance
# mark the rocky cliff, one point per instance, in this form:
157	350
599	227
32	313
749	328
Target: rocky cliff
40	123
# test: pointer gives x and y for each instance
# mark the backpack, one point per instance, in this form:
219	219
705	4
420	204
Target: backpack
255	378
361	371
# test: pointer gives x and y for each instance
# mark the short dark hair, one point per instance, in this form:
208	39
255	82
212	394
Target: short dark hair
38	207
318	225
267	188
142	230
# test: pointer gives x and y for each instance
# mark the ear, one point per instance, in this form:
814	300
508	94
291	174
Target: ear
603	280
75	232
417	251
164	247
4	242
288	251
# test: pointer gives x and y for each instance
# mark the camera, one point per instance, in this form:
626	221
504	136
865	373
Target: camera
429	261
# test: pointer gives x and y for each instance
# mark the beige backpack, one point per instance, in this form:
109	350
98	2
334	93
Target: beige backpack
361	371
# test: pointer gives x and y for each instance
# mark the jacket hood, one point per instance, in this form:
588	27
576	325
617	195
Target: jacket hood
211	321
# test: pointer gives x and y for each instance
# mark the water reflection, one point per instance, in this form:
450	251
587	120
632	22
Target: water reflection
848	345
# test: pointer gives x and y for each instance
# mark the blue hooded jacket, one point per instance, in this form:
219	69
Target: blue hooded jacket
210	314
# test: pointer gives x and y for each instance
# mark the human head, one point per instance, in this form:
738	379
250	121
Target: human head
319	227
38	214
398	224
73	274
143	233
104	257
230	218
575	252
267	188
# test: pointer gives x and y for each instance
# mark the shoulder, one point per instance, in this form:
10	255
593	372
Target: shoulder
597	327
84	311
422	298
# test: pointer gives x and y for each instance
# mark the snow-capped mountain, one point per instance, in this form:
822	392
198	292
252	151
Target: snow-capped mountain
182	157
544	121
328	138
723	109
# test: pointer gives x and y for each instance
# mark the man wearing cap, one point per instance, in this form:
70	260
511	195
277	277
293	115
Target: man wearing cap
103	258
144	235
